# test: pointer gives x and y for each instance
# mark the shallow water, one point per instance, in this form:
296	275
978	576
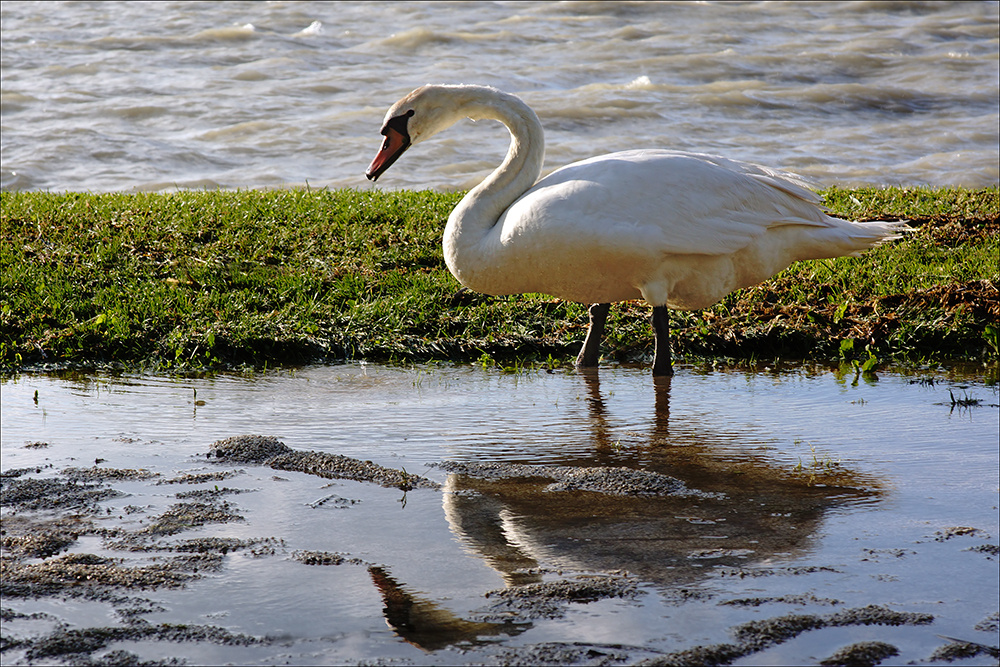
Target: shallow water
107	96
814	485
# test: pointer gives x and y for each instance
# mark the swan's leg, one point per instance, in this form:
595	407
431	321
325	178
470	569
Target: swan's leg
591	350
661	329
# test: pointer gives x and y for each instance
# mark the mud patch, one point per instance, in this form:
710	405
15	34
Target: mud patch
269	451
861	654
78	645
560	653
44	517
989	624
743	573
32	494
178	518
84	575
209	494
782	599
249	449
223	545
202	478
42	537
756	636
958	649
991	551
549	599
760	634
183	516
30	532
98	474
946	534
325	558
717	654
610	481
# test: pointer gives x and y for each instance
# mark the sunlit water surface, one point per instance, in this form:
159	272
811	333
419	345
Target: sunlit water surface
815	468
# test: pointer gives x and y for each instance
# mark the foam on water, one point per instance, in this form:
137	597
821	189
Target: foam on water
119	96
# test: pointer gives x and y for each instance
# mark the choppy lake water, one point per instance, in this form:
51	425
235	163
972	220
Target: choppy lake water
819	494
107	96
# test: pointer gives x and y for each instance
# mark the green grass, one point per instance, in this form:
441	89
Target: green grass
210	280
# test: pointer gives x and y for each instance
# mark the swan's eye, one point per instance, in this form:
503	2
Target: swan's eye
385	144
398	123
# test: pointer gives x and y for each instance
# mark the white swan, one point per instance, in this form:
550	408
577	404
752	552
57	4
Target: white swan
680	230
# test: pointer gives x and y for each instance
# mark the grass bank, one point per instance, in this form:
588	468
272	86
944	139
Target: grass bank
211	280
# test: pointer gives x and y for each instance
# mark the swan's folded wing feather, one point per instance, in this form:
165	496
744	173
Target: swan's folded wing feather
670	202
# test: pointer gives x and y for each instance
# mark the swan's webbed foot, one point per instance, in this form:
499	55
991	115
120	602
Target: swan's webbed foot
590	353
661	330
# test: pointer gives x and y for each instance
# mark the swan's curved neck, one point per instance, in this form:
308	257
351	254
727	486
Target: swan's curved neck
470	223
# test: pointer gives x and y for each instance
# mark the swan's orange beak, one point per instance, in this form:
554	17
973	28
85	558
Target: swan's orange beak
395	143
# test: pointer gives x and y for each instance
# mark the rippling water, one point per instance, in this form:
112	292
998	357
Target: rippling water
106	96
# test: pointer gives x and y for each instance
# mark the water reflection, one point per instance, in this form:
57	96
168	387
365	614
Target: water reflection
428	625
757	511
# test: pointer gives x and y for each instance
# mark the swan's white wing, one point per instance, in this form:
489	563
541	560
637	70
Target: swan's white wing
664	201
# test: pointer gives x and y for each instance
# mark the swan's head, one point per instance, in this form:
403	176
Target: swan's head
418	116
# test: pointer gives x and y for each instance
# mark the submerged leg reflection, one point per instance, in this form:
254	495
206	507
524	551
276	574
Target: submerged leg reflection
426	624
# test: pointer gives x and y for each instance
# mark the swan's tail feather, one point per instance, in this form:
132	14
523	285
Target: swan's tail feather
887	230
877	232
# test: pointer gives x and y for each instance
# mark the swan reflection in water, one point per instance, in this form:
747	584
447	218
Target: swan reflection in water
750	511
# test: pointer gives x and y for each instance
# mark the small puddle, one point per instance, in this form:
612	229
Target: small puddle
455	514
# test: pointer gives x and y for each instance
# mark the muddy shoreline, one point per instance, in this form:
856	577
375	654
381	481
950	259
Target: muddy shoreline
47	515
